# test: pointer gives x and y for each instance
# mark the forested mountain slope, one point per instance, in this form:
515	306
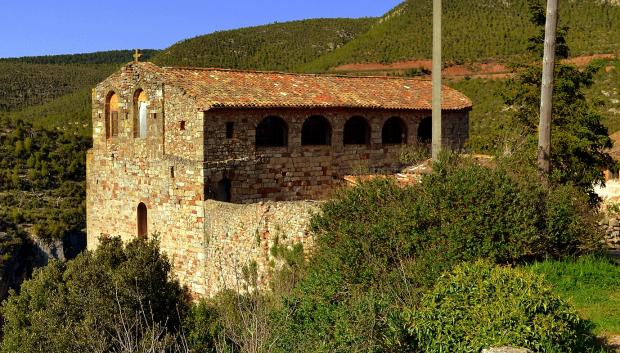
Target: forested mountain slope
474	30
23	85
100	57
279	46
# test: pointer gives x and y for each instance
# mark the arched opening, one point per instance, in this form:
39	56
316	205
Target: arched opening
223	191
142	220
316	131
394	131
272	132
140	113
356	131
111	115
425	130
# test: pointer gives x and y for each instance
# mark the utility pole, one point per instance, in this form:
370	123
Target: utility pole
546	98
436	142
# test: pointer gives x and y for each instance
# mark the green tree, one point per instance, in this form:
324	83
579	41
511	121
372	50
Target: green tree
82	305
579	140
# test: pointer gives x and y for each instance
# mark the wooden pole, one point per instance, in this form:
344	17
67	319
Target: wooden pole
436	142
546	99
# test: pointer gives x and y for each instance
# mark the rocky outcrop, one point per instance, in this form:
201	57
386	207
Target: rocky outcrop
21	254
611	224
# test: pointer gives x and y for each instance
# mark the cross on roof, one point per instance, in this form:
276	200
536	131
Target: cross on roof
137	55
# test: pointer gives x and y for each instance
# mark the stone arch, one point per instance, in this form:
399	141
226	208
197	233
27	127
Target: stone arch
425	130
272	131
223	192
394	131
111	114
140	114
316	131
356	131
142	220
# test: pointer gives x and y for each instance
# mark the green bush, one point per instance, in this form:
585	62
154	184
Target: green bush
480	305
380	246
89	304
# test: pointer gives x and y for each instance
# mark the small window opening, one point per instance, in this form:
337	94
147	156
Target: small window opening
114	124
272	132
172	172
317	131
223	192
356	131
182	125
140	111
142	220
230	129
425	130
394	132
111	115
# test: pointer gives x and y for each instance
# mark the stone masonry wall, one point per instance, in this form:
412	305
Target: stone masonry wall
239	235
297	172
123	171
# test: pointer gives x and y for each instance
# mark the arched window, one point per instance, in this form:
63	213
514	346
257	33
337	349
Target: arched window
223	192
272	132
394	131
356	131
142	220
111	115
140	113
316	131
425	130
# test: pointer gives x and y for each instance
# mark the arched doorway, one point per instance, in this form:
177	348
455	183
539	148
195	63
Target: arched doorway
142	220
272	132
425	130
394	132
316	131
223	192
356	131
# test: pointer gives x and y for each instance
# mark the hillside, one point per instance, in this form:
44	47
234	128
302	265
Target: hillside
279	46
474	30
100	57
23	85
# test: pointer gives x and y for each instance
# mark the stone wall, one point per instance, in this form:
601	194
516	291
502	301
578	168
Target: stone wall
611	224
297	172
163	171
239	235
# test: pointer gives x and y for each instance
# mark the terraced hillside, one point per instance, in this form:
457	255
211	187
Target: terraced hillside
474	30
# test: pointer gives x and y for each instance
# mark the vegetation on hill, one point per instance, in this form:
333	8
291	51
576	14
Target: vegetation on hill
474	30
524	309
382	253
119	298
42	184
70	113
23	85
100	57
591	284
279	46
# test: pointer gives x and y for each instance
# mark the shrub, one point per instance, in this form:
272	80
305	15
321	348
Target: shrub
480	305
83	305
380	246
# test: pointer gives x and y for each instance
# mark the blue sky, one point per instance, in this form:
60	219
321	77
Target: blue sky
46	27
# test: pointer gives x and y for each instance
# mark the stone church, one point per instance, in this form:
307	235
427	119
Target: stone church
223	164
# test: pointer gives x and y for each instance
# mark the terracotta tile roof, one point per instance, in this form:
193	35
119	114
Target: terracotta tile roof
220	88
